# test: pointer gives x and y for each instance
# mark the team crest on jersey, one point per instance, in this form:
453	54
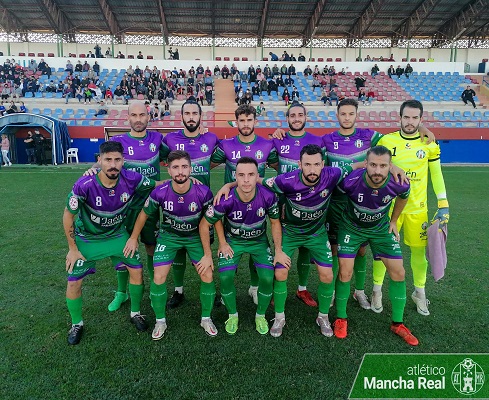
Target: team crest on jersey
421	154
260	212
259	155
152	147
248	207
111	193
297	143
73	203
124	197
181	200
386	199
358	143
210	212
247	148
375	192
270	181
193	206
324	193
204	148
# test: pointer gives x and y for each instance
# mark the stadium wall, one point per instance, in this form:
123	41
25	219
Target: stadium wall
470	56
461	146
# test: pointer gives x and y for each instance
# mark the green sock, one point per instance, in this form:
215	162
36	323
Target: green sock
178	267
159	296
75	309
122	280
325	294
360	268
253	274
228	290
280	295
336	268
397	295
342	295
265	289
136	294
207	295
151	269
303	266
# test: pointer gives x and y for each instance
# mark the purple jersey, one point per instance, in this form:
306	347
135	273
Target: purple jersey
231	150
304	207
143	155
181	212
200	149
369	207
288	150
245	220
102	210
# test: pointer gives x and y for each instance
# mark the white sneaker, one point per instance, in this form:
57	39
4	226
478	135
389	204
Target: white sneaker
253	293
159	330
421	303
208	326
277	327
362	300
323	323
376	305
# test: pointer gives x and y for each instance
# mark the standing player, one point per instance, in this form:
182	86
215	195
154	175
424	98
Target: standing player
183	205
370	192
102	203
245	144
410	153
245	231
285	159
200	148
306	193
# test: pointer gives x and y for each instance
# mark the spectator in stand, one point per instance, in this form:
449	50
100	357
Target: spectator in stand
291	70
368	58
120	55
217	70
167	109
272	86
88	94
307	71
22	108
275	70
103	109
375	70
332	83
391	71
79	94
325	96
208	72
359	82
315	82
3	110
236	77
200	96
225	72
286	96
32	65
408	71
248	97
399	71
234	69
119	94
284	70
108	53
263	85
98	51
140	56
331	71
5	91
342	72
252	76
12	109
295	94
333	96
255	90
208	94
362	95
280	81
29	148
370	97
267	72
109	96
289	81
468	96
301	57
260	109
78	66
273	56
239	97
90	55
96	68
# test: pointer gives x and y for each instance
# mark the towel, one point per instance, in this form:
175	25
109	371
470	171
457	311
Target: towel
436	251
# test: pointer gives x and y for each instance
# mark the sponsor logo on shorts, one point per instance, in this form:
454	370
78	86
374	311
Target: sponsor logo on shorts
73	203
124	197
152	147
210	211
193	206
260	212
204	148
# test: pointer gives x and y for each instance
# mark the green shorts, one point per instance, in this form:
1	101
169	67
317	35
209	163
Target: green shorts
259	251
334	217
317	244
98	249
150	229
382	243
168	244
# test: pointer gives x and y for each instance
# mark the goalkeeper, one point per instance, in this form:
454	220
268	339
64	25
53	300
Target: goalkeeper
416	158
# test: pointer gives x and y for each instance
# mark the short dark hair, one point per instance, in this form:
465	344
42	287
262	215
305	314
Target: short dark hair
178	155
295	104
111	147
192	100
347	102
245	109
412	104
379	151
247	160
310	150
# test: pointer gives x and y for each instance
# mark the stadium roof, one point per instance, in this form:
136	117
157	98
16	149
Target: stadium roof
442	20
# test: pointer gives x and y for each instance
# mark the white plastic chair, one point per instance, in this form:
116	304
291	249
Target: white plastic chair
71	154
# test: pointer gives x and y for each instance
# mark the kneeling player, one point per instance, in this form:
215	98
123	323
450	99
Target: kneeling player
245	231
370	193
183	205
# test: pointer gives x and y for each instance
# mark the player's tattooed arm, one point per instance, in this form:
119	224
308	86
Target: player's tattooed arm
73	253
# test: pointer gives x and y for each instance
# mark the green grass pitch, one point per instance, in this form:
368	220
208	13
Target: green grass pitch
113	361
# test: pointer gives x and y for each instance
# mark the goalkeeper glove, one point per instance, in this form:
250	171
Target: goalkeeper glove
443	213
